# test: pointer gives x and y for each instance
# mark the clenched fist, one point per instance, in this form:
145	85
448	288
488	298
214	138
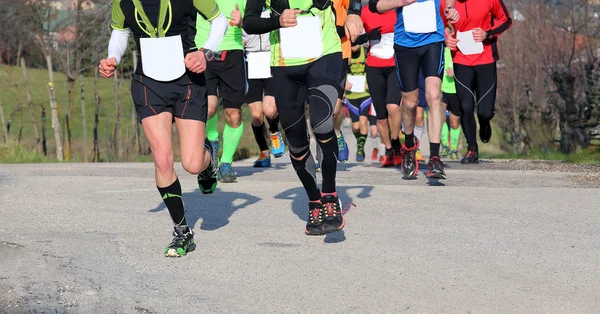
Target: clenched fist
195	61
288	18
107	67
236	17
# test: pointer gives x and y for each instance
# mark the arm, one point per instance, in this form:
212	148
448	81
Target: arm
254	24
500	14
118	44
218	22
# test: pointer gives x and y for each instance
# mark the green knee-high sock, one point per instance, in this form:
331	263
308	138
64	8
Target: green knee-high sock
445	134
231	140
454	138
211	129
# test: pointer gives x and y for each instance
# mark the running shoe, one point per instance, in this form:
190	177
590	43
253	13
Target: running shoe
182	243
410	165
343	151
387	161
314	224
207	179
435	168
264	160
360	154
226	173
420	156
471	158
332	210
375	154
277	144
454	155
397	157
445	151
485	130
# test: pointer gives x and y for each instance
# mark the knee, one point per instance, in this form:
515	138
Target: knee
193	166
410	102
233	117
212	106
382	123
269	109
433	97
257	117
485	115
393	109
163	161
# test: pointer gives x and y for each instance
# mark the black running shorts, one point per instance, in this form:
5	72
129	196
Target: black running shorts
428	58
384	88
227	78
185	97
452	102
257	89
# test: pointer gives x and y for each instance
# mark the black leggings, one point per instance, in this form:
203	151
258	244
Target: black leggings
384	88
475	85
319	80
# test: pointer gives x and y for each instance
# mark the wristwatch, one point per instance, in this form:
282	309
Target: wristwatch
208	54
488	34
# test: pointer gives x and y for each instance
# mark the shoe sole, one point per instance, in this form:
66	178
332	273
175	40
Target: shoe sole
411	174
436	175
326	231
212	189
174	253
470	163
262	166
228	180
309	233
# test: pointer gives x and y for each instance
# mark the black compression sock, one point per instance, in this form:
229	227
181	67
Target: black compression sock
434	149
273	124
409	140
389	152
360	139
329	162
259	135
306	170
396	143
171	196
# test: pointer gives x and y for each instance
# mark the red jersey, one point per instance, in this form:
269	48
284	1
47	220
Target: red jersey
489	15
386	21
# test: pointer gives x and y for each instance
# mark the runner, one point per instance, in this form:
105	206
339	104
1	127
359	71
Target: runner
258	55
381	76
376	143
340	8
452	105
164	92
226	79
307	62
359	101
418	47
420	117
475	72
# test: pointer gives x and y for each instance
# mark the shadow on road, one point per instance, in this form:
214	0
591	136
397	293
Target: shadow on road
214	210
300	205
247	171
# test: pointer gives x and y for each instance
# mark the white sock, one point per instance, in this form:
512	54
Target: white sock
419	131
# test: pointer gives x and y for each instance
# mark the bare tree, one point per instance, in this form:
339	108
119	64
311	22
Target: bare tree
117	130
3	122
30	103
96	156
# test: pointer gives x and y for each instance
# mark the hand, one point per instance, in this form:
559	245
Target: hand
348	86
450	72
451	42
236	17
195	61
288	18
374	34
353	26
107	67
478	34
451	15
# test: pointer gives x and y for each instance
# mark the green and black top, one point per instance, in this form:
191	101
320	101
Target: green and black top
357	67
172	18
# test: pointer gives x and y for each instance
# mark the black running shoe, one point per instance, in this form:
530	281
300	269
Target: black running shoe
435	168
410	165
332	210
485	130
182	243
207	179
471	158
314	225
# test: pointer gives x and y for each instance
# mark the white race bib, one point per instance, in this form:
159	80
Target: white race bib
358	83
259	65
420	17
303	40
162	58
467	45
383	48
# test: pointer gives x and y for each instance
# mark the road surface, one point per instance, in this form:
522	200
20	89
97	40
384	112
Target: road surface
500	237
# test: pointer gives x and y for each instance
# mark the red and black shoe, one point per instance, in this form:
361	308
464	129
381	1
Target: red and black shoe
397	156
387	161
314	225
435	168
471	158
332	210
410	165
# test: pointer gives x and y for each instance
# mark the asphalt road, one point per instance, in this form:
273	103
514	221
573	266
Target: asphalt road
501	237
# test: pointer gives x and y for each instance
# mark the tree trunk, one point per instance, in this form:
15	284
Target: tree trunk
83	119
96	156
134	116
117	130
4	128
30	104
54	110
19	49
44	142
21	126
71	100
11	116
